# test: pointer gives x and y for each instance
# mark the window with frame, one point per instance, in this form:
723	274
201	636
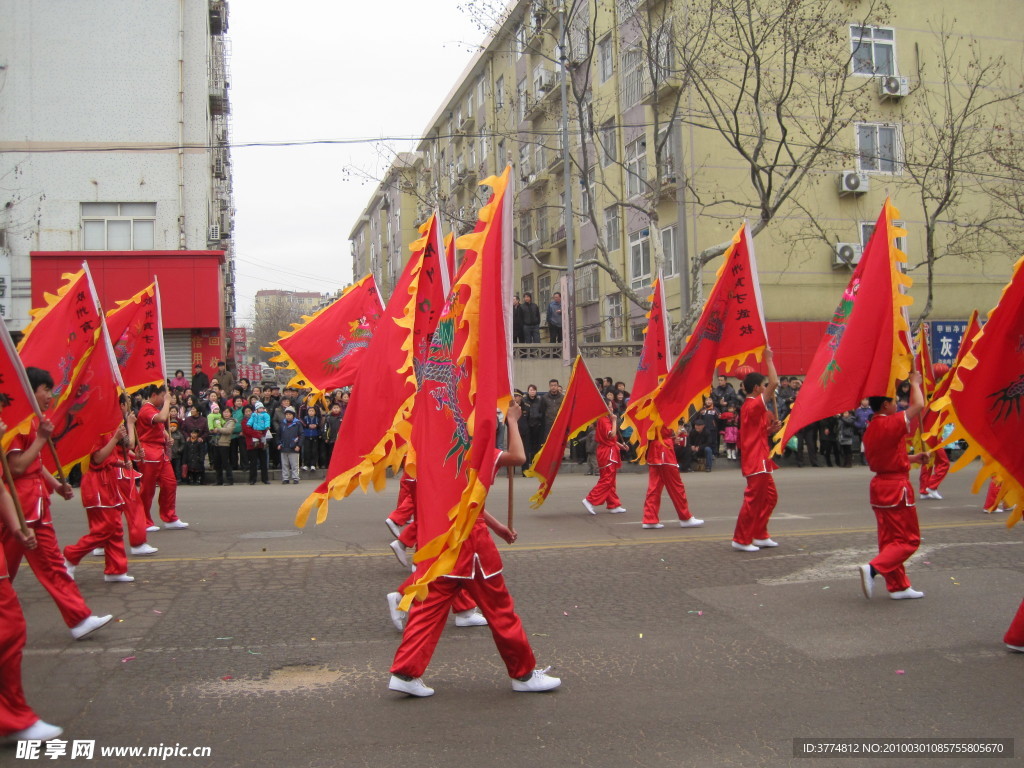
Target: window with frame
588	190
640	258
636	167
662	53
612	233
118	226
524	161
636	333
605	59
587	282
631	80
481	92
867	229
667	158
613	316
521	99
520	38
543	296
609	150
668	248
499	92
878	147
873	50
592	337
526	283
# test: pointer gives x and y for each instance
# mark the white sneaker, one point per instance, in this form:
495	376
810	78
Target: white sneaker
906	594
393	527
117	577
38	731
744	547
398	616
399	549
765	543
470	618
618	510
144	549
153	528
589	507
867	583
653	525
89	624
1017	648
926	494
934	495
176	525
540	680
692	522
69	568
98	552
414	687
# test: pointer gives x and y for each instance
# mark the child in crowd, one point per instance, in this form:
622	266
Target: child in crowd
311	439
177	447
194	458
730	431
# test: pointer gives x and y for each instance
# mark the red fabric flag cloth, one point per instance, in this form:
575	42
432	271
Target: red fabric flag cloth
327	348
923	364
937	414
21	405
136	330
91	408
651	370
729	330
61	332
865	350
582	405
376	427
463	384
986	398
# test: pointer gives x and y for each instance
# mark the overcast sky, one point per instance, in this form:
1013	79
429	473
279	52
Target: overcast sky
324	70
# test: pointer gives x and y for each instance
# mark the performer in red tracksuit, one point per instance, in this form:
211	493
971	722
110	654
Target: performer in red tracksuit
663	473
34	484
608	461
892	495
104	505
760	496
478	571
156	465
125	474
17	720
933	472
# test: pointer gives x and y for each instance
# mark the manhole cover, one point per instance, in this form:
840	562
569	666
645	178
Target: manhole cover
269	534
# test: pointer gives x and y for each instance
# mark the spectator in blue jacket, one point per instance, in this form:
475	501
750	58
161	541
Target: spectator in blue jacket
289	443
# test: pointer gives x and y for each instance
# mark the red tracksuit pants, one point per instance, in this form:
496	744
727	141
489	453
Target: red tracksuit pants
759	500
1014	635
992	495
604	492
105	531
659	477
427	621
15	714
159	473
47	564
461	602
898	538
134	514
932	475
405	507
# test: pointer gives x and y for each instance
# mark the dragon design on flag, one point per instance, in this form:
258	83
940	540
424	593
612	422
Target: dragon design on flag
359	338
835	329
126	344
1008	399
440	369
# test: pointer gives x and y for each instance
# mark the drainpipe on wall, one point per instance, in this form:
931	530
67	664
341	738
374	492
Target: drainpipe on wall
181	124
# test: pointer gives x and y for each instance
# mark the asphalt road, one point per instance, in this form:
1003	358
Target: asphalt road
271	646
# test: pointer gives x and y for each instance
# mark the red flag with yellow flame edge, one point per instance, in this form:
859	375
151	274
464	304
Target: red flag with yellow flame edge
651	370
465	380
986	398
327	348
582	405
937	414
865	350
375	431
730	329
135	330
20	405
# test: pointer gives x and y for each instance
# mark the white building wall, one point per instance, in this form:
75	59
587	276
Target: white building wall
101	77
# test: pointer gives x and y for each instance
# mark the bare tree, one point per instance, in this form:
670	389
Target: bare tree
272	317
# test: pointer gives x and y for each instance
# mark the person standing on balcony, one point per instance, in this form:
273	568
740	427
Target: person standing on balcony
531	320
555	319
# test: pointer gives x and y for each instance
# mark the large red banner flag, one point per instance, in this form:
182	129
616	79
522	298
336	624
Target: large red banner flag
582	405
21	406
937	414
651	370
327	348
62	331
376	428
91	408
986	398
730	329
136	332
866	349
923	364
465	382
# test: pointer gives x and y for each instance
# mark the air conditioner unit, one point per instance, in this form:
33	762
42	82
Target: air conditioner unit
847	254
893	87
214	233
853	183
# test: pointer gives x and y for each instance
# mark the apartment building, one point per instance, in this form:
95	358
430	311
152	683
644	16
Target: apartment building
685	120
114	149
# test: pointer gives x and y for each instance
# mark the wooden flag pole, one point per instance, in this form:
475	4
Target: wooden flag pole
9	479
511	505
59	471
